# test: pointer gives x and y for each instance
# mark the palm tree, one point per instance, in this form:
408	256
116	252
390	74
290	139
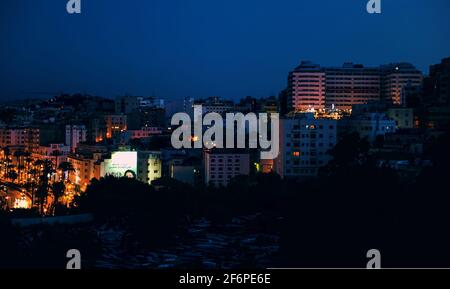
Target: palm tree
12	175
42	194
58	190
66	167
43	188
38	164
28	160
56	154
3	160
10	168
29	186
18	155
7	160
33	183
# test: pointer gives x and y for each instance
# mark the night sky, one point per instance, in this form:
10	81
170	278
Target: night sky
198	48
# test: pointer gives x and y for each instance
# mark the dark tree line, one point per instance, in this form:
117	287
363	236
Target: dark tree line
356	206
330	221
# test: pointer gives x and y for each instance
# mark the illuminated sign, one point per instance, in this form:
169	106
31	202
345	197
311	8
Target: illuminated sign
122	164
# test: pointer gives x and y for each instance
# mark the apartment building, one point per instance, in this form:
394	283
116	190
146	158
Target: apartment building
304	145
221	165
25	137
312	87
306	87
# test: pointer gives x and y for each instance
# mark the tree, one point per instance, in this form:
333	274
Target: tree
66	167
28	160
150	216
58	190
43	187
6	152
56	154
350	150
12	175
18	155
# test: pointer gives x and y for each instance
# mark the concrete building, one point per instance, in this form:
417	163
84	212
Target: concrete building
127	104
313	87
86	168
57	153
215	104
131	104
96	129
145	132
149	166
350	85
186	170
188	106
304	145
183	173
152	102
369	125
115	124
440	82
395	78
75	134
25	137
306	87
404	117
221	165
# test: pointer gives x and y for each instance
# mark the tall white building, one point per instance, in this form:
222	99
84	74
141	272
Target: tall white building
75	134
306	87
304	145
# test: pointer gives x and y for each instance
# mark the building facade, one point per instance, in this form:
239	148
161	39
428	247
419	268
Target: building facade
149	166
25	137
75	134
221	165
368	125
312	87
306	87
395	77
403	117
351	84
115	124
304	145
440	81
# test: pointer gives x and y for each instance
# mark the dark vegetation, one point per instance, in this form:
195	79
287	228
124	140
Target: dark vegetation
331	221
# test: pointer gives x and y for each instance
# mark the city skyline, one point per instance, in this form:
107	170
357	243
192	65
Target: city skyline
210	134
199	49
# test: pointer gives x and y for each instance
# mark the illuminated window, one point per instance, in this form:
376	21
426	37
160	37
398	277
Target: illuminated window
296	154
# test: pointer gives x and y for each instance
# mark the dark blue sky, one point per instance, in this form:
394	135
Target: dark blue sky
230	48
